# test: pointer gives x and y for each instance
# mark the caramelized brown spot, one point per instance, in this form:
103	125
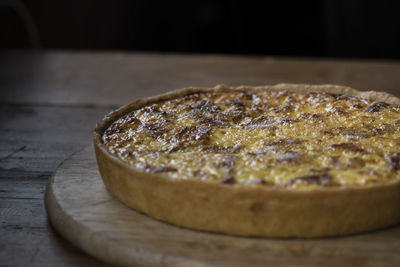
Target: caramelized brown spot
286	145
200	174
356	106
282	109
347	163
341	97
246	96
116	127
175	148
119	126
214	122
376	107
229	180
286	121
154	169
283	142
228	164
131	119
339	111
355	133
206	106
261	122
268	122
310	116
348	147
257	153
290	100
238	104
187	134
223	149
394	160
355	162
157	129
186	98
320	179
317	97
236	115
260	181
291	157
335	161
151	109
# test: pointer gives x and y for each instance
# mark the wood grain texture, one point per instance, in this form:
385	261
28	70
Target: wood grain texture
34	140
85	213
118	78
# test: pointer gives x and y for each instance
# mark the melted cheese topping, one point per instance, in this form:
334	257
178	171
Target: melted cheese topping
294	140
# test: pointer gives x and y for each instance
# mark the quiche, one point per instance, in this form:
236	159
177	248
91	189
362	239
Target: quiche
275	161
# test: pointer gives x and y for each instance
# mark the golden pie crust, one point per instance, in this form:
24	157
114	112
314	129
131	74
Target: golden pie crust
250	209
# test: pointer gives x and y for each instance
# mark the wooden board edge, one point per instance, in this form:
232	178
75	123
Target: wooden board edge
78	234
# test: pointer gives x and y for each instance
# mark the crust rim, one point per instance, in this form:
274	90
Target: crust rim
250	210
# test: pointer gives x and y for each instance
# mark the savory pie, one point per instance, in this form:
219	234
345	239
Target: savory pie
278	161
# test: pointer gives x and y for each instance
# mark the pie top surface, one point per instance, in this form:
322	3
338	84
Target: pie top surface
292	140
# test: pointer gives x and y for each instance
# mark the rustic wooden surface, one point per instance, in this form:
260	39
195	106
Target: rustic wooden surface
50	101
86	214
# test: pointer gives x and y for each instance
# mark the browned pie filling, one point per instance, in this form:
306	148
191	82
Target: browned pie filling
294	140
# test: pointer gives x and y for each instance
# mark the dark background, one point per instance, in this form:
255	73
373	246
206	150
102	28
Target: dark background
329	28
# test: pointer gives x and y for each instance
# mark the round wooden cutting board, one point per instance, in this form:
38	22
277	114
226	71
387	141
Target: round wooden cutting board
82	210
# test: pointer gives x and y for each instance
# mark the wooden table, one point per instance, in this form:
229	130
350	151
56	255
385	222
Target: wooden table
50	102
